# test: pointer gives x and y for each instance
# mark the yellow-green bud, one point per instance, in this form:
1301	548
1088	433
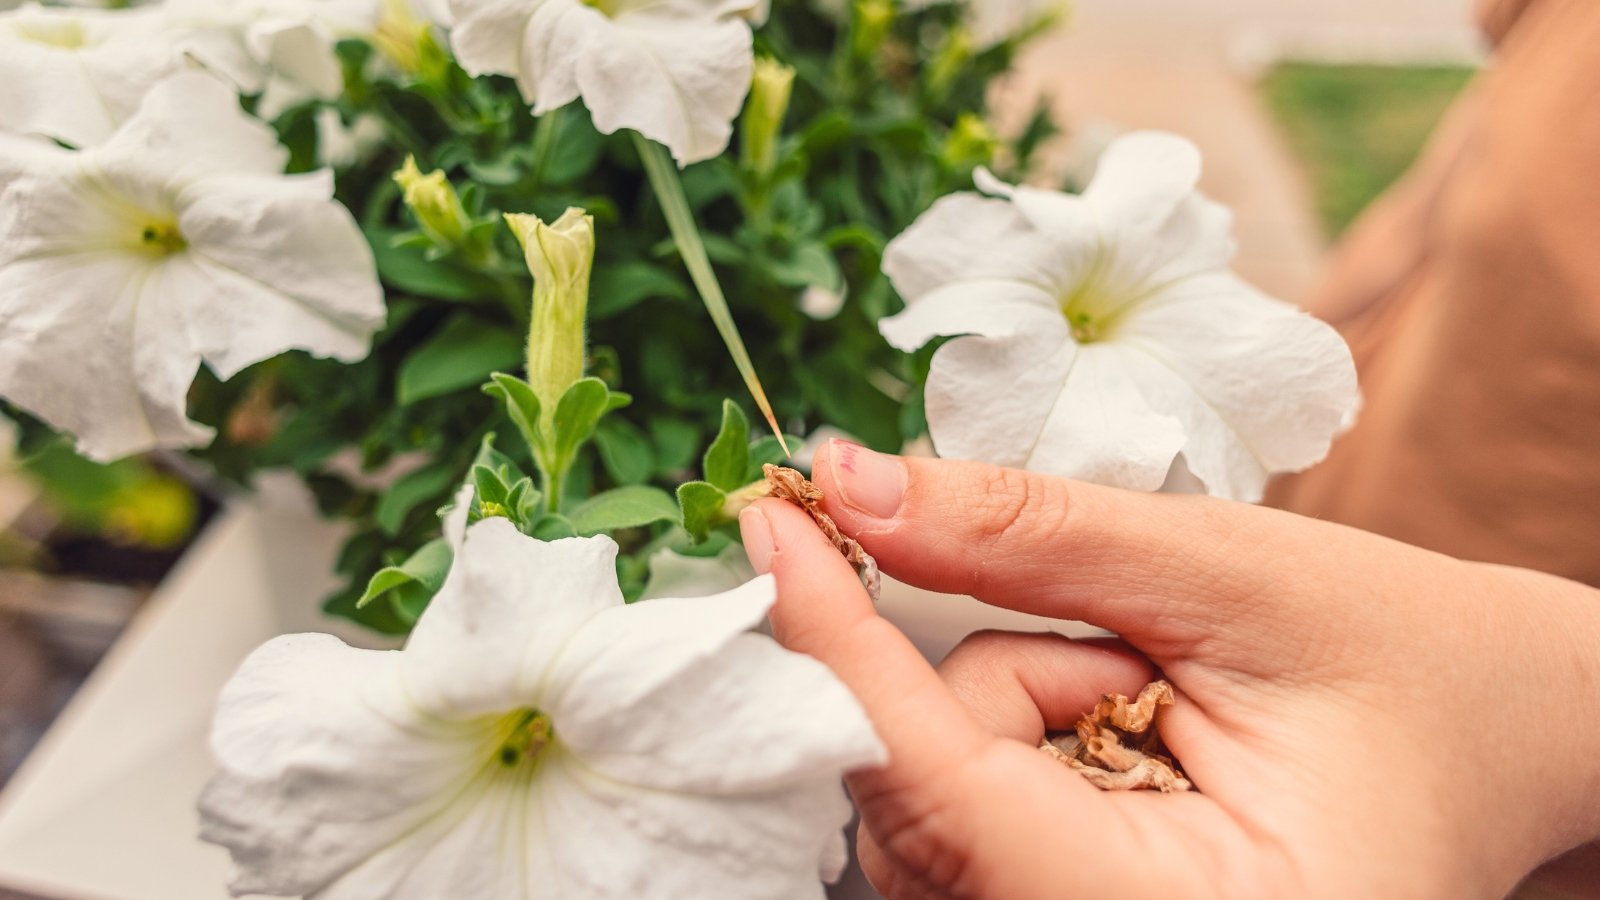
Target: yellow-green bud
437	207
971	142
762	124
872	20
950	60
560	255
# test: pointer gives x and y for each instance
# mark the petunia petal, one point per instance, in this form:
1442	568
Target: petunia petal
508	606
78	74
1102	429
1142	177
610	841
273	264
673	574
555	38
624	652
1156	227
990	308
684	732
671	72
1260	386
488	34
966	237
987	399
190	126
74	352
324	763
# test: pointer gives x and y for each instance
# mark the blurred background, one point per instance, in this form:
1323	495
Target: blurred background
1305	110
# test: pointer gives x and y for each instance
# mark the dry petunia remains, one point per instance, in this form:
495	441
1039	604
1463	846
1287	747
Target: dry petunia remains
1117	747
790	485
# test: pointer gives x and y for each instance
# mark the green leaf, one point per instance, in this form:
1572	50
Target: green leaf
522	405
462	354
396	504
728	459
701	508
809	264
411	271
553	527
490	487
576	416
498	462
523	501
625	451
768	450
624	507
425	569
621	287
676	442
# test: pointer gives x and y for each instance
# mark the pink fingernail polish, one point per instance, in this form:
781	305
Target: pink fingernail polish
758	544
871	483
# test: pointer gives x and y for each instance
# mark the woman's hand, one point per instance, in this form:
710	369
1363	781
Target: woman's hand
1361	718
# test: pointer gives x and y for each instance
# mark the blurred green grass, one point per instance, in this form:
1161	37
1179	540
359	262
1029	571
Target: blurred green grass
1358	127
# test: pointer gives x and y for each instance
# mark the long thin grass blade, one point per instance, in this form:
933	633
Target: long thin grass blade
680	220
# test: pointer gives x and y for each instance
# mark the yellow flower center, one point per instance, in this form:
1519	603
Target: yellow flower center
607	8
63	34
162	238
1092	308
525	735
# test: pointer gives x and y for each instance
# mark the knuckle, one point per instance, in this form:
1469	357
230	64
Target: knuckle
1014	505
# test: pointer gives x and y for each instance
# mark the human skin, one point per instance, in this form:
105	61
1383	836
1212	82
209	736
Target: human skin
1361	718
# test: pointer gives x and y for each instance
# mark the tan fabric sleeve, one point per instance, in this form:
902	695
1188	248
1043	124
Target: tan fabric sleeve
1471	298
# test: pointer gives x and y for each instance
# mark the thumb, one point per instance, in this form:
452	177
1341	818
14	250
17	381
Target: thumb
1164	571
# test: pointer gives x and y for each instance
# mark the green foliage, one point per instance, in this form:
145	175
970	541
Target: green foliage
878	125
1358	128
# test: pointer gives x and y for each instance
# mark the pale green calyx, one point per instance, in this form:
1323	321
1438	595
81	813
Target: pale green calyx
560	255
436	205
770	87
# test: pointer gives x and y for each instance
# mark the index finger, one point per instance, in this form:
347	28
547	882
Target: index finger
823	611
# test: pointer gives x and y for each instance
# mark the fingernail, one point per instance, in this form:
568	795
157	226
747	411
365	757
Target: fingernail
758	543
871	483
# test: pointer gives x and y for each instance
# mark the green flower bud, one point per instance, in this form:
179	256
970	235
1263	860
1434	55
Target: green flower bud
970	143
436	205
762	124
560	256
872	20
950	60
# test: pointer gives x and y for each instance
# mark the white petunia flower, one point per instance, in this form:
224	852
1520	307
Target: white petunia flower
77	74
676	71
282	50
1101	336
538	738
178	241
674	574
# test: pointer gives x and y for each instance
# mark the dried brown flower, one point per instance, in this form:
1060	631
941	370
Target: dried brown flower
788	484
1117	747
